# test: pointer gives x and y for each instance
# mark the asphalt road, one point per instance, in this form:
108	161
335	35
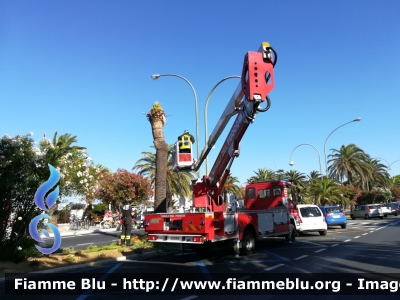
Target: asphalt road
365	246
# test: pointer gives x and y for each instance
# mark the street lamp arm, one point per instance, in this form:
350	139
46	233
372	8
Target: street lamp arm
205	113
319	156
393	163
326	166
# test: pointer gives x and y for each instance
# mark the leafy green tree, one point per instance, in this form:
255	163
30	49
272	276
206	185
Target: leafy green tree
22	171
351	192
114	188
178	183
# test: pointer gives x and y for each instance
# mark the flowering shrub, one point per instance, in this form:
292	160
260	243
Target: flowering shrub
116	187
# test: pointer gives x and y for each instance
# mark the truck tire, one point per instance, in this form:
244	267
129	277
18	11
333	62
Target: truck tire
291	236
248	243
352	217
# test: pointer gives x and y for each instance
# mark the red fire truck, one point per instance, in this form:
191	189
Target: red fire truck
269	207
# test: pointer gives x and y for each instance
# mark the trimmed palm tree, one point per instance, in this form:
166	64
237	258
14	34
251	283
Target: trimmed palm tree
156	117
348	163
325	191
262	175
177	183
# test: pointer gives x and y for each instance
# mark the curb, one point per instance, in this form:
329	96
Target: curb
90	264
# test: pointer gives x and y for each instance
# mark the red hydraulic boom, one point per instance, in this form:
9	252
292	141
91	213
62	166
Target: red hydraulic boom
256	83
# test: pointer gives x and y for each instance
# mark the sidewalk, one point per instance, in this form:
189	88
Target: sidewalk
93	229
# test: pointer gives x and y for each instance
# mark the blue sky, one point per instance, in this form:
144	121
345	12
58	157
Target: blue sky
84	68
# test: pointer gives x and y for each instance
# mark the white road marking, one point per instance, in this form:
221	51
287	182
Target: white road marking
302	241
346	241
84	244
274	267
300	257
335	245
356	237
190	297
365	233
319	250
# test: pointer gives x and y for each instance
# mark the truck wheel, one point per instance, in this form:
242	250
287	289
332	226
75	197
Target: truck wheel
366	216
352	217
248	243
291	236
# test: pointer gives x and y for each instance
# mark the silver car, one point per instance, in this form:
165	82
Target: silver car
367	211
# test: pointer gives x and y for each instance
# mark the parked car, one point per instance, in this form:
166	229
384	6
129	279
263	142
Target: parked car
367	211
334	216
311	219
385	209
395	207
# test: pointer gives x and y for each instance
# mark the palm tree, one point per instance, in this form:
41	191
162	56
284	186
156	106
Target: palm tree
349	162
395	181
156	116
177	183
379	176
313	176
58	147
325	191
262	175
231	186
296	178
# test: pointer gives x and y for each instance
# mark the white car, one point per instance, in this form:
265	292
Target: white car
385	210
311	219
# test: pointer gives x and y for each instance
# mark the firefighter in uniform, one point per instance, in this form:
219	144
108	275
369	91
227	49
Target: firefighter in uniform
184	145
126	224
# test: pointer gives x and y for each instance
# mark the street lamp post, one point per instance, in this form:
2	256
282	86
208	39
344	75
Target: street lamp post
205	113
326	166
319	157
156	76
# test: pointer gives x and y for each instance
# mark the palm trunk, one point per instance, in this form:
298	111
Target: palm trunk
157	118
